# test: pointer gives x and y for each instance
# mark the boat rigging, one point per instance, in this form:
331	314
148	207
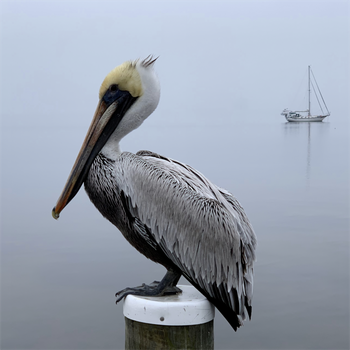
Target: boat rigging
300	116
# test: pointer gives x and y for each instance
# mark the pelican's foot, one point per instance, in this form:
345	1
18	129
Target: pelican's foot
167	286
147	290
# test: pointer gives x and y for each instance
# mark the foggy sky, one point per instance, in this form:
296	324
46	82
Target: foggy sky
215	57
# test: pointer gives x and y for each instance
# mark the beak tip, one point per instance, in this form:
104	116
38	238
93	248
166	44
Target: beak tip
54	214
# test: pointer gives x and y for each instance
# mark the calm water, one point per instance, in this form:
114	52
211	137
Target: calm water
58	279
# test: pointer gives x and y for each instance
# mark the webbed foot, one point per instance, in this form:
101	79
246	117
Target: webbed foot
167	286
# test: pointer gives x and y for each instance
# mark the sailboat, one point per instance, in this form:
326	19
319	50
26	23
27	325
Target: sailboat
300	116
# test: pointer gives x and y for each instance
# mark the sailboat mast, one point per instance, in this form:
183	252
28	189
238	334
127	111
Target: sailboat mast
309	112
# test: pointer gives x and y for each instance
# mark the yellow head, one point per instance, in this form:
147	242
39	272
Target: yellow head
126	77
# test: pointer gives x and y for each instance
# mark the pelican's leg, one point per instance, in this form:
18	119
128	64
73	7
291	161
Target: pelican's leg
166	286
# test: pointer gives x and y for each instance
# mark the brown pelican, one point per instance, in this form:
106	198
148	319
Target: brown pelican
167	210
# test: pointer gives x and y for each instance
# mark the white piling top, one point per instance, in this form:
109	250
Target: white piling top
187	308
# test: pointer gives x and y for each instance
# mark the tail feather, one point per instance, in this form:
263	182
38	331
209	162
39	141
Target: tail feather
220	298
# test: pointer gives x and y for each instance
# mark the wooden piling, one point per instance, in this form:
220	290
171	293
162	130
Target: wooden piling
183	321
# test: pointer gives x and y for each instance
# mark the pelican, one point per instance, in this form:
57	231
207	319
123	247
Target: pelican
166	209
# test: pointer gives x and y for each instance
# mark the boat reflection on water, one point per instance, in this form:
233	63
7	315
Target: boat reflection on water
304	139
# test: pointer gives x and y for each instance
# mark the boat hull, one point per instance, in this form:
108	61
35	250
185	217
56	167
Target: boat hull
305	119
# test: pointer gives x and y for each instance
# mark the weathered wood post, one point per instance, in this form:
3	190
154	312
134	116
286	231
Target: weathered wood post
183	321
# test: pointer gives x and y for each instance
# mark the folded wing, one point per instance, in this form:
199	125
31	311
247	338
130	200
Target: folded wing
201	228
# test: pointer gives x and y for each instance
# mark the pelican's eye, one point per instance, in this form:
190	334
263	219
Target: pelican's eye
112	94
113	87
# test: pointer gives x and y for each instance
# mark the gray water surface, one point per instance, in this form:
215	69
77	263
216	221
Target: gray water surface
58	278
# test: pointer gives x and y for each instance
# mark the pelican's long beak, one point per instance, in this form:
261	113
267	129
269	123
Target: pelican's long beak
109	113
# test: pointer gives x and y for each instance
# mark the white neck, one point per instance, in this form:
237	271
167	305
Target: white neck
138	112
